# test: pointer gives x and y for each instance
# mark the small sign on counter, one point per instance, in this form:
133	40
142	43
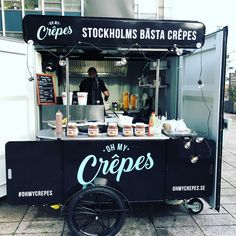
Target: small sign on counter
45	89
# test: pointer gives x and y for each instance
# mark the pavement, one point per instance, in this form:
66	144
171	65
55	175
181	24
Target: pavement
149	220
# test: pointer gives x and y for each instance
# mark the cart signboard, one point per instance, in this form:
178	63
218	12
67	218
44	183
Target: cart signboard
111	32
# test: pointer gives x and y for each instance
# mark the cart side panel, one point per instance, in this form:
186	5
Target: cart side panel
135	168
185	177
34	172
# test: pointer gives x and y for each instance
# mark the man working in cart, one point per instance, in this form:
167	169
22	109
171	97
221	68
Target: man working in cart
94	87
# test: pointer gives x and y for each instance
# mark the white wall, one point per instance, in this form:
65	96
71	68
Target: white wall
17	99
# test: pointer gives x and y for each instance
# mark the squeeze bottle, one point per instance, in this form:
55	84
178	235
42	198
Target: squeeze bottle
59	122
151	124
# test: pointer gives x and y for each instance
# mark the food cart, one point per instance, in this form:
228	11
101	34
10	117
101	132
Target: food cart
96	179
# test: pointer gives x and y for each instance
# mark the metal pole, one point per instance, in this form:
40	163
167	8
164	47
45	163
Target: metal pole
157	86
67	91
161	7
82	7
3	19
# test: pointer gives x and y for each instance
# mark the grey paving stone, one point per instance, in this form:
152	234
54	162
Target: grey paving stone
228	192
33	227
226	185
208	211
167	210
11	213
137	226
209	220
179	231
173	221
39	234
231	208
219	230
233	183
228	199
42	213
8	228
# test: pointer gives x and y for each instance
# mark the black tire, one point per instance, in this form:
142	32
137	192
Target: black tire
96	211
197	206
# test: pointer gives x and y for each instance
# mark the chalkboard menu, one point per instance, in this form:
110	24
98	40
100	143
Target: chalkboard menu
45	89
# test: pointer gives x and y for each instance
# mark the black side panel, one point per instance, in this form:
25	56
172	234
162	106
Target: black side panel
137	167
34	172
186	179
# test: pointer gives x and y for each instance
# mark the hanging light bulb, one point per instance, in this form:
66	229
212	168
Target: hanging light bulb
62	62
123	61
178	51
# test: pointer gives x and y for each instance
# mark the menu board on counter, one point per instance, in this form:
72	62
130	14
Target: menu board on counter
45	89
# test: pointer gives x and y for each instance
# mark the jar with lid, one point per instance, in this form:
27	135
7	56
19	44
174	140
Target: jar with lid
139	129
128	130
112	129
93	130
72	129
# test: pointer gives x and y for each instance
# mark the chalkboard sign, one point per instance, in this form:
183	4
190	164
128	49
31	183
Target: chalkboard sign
45	89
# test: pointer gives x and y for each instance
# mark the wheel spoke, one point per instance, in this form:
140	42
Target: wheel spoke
88	222
104	227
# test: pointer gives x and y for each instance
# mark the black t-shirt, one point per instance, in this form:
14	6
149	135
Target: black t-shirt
94	88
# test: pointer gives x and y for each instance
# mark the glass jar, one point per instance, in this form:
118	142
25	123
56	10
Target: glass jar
93	130
128	130
139	129
112	129
72	130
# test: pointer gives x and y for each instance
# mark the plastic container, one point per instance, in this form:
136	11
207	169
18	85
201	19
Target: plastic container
64	98
112	129
82	98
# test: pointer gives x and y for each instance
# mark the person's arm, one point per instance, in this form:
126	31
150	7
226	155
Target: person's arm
105	91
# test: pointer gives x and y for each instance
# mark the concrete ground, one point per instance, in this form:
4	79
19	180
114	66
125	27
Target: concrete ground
161	220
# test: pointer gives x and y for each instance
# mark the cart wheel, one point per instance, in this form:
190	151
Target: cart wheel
96	211
195	206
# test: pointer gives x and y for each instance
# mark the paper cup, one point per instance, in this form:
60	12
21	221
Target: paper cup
82	98
64	98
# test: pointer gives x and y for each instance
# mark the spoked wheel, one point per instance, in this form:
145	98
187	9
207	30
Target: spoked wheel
96	211
195	206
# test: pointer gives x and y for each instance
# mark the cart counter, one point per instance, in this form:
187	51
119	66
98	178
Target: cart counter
141	168
50	134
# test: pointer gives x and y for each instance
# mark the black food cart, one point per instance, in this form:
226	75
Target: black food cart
96	178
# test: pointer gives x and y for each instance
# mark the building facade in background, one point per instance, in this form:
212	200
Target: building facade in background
13	11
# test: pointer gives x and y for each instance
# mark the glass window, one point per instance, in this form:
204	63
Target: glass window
11	4
52	5
32	5
72	5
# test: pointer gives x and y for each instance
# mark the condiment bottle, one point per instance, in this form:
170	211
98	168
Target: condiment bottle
152	124
59	117
125	100
112	129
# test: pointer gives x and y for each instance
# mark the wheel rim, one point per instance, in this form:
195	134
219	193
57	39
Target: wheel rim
96	212
197	207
